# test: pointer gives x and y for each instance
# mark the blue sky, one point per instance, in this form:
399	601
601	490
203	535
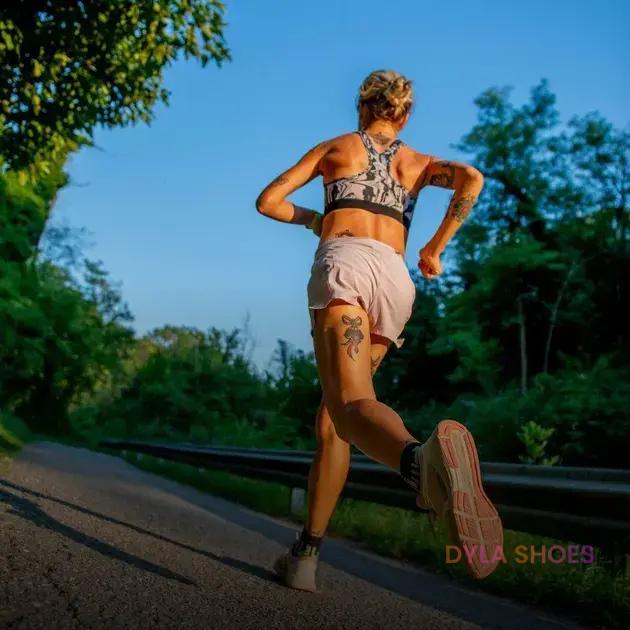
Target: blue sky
170	207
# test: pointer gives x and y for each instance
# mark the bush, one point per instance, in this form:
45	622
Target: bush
13	432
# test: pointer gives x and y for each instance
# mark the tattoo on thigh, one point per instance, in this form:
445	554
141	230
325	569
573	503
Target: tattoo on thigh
353	334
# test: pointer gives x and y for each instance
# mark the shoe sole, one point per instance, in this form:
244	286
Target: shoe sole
474	521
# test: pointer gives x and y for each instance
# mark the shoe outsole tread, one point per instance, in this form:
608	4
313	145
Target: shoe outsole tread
469	515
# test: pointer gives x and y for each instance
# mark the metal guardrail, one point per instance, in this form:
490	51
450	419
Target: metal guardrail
583	505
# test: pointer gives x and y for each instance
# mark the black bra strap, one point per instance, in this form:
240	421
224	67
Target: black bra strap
377	208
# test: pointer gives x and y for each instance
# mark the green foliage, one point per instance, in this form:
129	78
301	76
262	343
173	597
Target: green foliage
587	404
535	438
67	67
61	336
24	209
13	433
295	384
184	383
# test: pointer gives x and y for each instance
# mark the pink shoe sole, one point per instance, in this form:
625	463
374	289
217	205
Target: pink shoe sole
472	518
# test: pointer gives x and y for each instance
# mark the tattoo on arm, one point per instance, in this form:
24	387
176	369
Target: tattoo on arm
445	177
281	179
459	208
353	334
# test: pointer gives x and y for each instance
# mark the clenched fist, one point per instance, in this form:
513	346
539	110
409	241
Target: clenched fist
429	263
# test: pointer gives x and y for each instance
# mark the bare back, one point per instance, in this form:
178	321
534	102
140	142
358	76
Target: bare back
345	157
371	182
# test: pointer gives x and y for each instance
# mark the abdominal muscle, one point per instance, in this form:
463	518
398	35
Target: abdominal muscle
362	223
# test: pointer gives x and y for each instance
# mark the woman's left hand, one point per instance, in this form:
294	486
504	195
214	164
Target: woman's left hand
429	263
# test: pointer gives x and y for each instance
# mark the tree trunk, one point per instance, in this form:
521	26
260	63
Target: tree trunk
554	315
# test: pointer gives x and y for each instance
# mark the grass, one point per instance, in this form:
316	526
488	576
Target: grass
591	592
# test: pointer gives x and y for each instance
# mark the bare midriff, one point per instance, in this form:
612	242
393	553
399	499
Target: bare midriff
364	224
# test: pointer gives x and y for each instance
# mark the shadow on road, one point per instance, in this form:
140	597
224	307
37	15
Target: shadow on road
31	511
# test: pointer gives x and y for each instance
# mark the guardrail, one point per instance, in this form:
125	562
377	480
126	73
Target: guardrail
583	505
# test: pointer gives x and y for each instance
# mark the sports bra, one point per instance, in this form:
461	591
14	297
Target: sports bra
374	188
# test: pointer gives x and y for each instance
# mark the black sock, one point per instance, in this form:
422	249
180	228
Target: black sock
409	468
306	545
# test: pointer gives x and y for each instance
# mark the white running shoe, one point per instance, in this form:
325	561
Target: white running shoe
297	571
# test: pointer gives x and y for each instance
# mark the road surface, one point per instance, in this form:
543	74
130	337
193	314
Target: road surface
89	541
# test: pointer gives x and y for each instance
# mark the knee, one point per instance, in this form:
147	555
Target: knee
345	413
326	432
327	436
340	431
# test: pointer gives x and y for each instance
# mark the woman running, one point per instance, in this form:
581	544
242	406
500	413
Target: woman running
360	296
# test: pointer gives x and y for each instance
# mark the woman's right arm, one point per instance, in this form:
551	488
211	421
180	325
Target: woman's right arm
272	201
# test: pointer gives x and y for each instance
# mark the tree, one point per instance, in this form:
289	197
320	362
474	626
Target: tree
66	67
295	386
59	339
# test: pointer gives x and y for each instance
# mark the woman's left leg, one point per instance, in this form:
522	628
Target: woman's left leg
330	466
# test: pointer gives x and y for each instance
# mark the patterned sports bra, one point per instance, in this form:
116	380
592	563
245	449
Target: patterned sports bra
374	188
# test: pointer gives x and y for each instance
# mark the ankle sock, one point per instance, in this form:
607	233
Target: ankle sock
410	465
306	545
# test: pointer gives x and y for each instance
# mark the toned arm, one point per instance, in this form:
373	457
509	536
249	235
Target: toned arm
272	201
467	183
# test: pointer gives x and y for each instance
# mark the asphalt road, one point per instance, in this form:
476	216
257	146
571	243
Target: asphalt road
89	541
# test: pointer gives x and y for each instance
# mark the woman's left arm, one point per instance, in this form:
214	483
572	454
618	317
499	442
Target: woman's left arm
272	201
467	182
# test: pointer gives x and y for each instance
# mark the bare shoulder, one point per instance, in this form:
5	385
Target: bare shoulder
325	146
414	157
344	140
413	167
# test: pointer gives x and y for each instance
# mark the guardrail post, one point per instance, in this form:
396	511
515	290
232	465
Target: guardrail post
297	500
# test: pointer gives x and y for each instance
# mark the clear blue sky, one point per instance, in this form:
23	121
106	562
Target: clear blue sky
170	207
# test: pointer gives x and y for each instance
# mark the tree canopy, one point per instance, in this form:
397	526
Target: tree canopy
66	67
